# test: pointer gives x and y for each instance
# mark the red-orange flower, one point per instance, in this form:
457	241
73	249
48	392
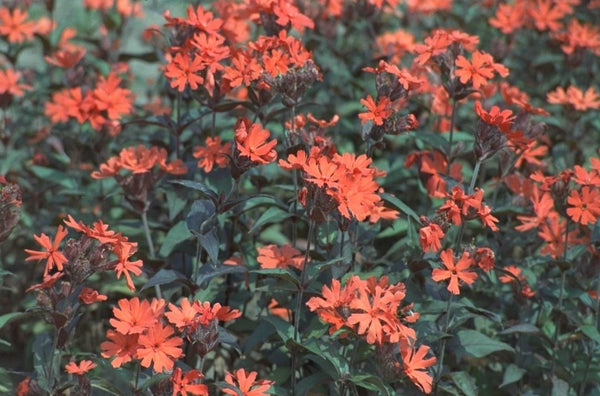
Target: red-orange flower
23	387
377	112
80	369
15	26
501	118
90	296
430	237
212	153
110	98
122	347
479	70
133	316
585	207
185	383
183	70
455	272
575	97
246	384
415	365
251	142
271	256
329	307
9	83
53	257
158	347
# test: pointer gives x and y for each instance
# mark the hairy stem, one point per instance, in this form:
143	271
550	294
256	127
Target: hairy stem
449	152
297	313
438	374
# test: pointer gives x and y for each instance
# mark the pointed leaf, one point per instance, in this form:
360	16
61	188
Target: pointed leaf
270	216
163	277
464	382
174	237
512	374
479	345
203	188
210	271
401	206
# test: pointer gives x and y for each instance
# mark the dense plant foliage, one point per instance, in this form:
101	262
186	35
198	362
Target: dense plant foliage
303	197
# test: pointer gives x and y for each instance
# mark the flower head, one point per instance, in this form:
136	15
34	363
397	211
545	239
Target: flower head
455	272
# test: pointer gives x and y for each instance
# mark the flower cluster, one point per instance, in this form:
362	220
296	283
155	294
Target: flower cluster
344	182
370	309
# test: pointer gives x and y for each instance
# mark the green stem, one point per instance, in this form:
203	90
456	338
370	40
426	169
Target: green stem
151	250
461	231
147	233
297	313
449	153
560	306
438	374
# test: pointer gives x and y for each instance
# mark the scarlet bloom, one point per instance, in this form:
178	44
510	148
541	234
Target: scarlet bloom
377	112
23	387
501	118
139	159
455	272
415	365
112	99
90	296
122	347
585	207
329	307
213	153
54	258
251	142
430	237
575	98
9	83
271	256
185	383
246	384
132	316
182	71
184	316
80	369
159	347
485	258
15	26
47	282
479	70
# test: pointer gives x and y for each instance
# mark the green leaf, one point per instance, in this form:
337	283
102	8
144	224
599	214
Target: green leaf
560	387
5	382
307	383
370	382
210	243
270	216
210	271
524	328
174	237
54	176
512	374
43	356
203	188
201	218
284	329
163	277
401	206
279	273
479	345
464	382
591	332
175	203
4	319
